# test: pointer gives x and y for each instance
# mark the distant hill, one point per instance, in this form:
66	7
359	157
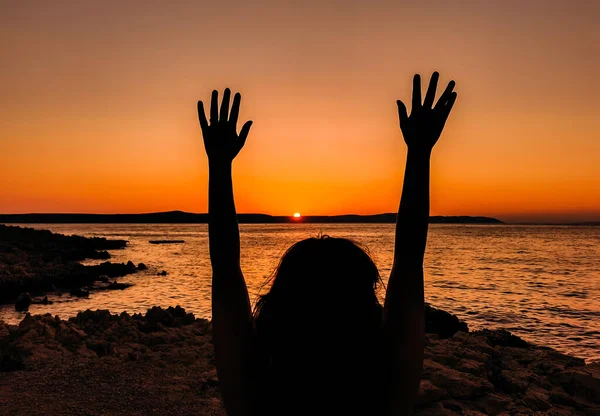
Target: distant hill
180	217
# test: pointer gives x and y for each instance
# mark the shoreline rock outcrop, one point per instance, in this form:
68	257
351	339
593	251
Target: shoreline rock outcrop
37	262
163	363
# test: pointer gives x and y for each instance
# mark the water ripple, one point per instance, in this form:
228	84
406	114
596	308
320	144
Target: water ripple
540	282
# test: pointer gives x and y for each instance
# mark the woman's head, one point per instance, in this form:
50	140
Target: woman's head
322	277
328	284
321	315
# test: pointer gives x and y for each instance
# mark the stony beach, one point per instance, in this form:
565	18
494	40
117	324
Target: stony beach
161	363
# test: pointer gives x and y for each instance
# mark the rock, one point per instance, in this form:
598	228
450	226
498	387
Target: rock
502	338
170	317
458	385
11	359
163	273
581	381
511	383
69	336
93	321
479	347
476	368
442	323
104	278
493	404
120	286
44	301
27	322
100	255
559	397
80	293
101	348
461	336
537	399
142	266
114	286
453	406
22	303
429	393
559	412
4	329
111	270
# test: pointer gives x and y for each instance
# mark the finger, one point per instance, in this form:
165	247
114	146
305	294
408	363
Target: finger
445	95
235	109
202	116
416	97
225	105
430	96
402	113
245	130
214	107
450	104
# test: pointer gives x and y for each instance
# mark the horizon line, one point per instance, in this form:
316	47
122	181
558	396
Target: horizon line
299	220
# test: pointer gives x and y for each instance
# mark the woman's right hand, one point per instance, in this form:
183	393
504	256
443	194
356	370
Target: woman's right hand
221	140
422	129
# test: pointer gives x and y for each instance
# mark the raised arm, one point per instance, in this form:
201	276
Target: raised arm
230	302
404	301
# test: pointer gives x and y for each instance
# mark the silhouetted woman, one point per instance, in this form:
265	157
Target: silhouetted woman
319	342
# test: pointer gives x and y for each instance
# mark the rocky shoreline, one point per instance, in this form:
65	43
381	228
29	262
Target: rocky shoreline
162	363
39	262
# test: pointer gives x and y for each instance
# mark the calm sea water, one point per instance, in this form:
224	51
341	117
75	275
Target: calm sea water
540	282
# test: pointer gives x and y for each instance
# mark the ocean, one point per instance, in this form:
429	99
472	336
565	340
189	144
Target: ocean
540	282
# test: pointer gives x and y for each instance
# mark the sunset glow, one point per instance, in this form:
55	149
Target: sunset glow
98	105
297	215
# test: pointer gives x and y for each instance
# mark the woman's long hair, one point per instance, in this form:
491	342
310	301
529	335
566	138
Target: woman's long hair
317	329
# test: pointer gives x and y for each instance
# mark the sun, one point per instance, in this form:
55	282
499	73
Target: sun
296	215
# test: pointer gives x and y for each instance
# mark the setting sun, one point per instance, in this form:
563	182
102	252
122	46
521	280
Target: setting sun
297	215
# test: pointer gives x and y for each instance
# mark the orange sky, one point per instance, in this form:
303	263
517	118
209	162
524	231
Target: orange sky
98	105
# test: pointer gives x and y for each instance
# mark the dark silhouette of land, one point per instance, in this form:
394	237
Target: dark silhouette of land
166	241
180	217
39	262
